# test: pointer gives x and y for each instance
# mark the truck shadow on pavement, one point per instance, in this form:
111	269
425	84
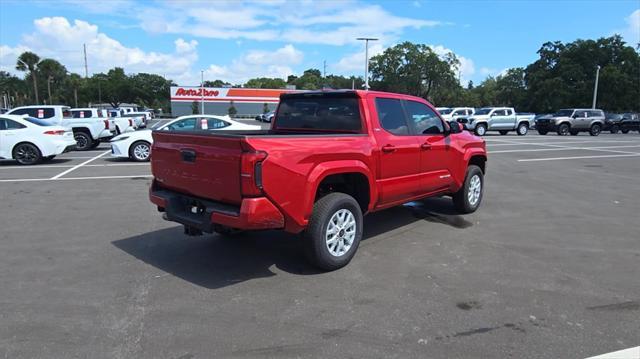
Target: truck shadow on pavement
213	261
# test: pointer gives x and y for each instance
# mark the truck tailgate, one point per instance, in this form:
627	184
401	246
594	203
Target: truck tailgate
206	166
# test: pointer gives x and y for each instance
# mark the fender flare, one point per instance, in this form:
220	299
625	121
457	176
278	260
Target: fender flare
325	169
468	154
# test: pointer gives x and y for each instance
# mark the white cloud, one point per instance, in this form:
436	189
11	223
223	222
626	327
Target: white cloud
57	38
487	71
354	63
467	67
631	33
256	63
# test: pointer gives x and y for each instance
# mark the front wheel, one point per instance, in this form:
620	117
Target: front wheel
563	129
140	151
625	131
481	129
27	154
83	141
334	231
522	129
595	129
468	198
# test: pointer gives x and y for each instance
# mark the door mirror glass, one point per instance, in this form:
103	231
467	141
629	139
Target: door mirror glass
455	127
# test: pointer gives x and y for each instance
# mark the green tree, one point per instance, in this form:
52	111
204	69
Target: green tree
28	61
195	109
15	89
51	71
216	83
413	69
232	111
265	83
265	107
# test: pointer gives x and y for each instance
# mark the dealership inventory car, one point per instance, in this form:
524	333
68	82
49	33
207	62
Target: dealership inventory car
118	125
572	121
329	158
630	122
30	140
88	132
137	145
454	113
501	119
612	122
266	117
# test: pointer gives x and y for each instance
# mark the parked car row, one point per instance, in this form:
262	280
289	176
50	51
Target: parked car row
266	117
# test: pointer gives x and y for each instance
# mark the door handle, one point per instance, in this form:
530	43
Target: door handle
188	155
425	146
388	148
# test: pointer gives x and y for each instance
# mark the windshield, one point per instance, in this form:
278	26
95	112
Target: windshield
328	112
446	112
483	111
563	113
37	121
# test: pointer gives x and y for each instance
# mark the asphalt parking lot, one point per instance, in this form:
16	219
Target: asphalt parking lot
547	268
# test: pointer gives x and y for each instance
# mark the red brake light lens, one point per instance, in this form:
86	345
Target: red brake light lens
251	173
55	132
131	122
106	124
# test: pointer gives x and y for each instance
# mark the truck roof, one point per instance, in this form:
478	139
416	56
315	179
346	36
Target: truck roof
358	93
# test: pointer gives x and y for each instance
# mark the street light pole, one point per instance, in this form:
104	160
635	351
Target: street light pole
595	89
202	92
366	59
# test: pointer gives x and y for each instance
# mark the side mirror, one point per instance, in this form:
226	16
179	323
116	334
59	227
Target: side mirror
455	127
463	120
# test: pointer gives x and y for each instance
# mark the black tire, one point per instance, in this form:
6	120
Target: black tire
503	133
625	131
461	200
140	151
48	158
573	133
83	141
595	129
614	129
315	235
27	154
481	129
563	129
522	129
542	132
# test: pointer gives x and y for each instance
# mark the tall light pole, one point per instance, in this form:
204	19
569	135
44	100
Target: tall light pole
595	88
366	59
202	92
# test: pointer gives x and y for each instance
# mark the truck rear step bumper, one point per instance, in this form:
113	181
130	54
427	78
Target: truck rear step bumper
252	214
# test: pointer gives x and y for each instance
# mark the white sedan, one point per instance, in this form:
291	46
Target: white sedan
30	140
137	145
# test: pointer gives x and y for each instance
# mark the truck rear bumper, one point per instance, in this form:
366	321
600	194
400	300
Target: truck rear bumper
252	214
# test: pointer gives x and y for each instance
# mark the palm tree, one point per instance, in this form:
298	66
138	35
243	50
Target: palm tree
52	70
28	61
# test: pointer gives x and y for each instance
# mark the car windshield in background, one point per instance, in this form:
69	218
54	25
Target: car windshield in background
483	111
445	112
319	112
563	113
37	121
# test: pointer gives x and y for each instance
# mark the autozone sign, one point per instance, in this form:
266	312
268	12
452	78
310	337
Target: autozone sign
222	94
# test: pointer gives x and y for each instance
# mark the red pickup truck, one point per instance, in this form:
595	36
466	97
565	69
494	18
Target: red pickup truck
329	158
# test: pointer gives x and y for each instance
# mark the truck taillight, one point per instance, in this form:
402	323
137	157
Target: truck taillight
106	124
131	122
251	173
55	132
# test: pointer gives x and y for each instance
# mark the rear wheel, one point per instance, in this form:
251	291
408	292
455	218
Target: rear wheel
140	151
563	129
595	129
27	154
522	129
83	141
468	198
625	131
334	231
481	129
504	132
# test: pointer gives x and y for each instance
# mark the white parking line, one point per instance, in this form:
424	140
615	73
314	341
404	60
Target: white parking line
630	353
69	166
513	143
577	157
73	178
599	148
80	165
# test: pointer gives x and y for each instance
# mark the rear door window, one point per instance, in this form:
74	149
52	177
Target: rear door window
391	116
423	119
214	123
187	124
13	125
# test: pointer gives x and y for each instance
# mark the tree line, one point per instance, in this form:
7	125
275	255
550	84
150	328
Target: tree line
562	76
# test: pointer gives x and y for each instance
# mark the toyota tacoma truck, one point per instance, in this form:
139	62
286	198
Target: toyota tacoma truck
329	158
501	119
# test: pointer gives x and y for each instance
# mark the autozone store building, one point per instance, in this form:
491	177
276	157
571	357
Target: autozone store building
217	100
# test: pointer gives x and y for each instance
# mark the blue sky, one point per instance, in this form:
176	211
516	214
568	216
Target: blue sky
237	40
